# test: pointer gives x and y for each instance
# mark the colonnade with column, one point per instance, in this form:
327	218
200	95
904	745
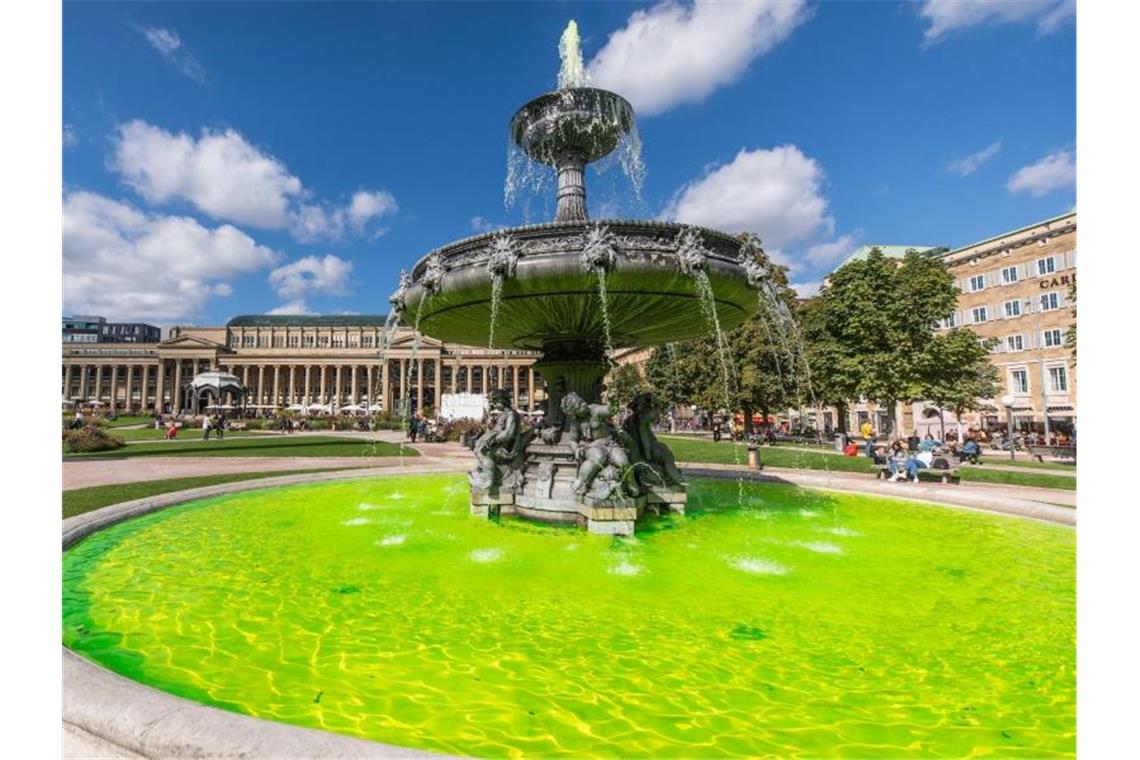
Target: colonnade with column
380	385
158	384
139	385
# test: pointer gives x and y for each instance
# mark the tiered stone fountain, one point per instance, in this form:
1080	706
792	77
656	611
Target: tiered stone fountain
575	289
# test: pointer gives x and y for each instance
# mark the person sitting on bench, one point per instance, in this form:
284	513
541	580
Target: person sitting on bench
969	451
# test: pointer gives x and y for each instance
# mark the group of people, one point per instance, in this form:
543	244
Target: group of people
215	424
420	426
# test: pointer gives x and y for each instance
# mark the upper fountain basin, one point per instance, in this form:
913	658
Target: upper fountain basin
552	292
585	121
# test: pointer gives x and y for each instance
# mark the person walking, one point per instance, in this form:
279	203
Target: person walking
221	426
206	428
413	428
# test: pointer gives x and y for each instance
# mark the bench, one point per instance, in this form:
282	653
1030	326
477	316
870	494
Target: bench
1059	452
936	474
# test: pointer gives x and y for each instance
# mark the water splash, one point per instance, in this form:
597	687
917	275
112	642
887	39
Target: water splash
501	264
572	73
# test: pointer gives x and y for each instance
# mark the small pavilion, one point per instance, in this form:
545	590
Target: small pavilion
215	385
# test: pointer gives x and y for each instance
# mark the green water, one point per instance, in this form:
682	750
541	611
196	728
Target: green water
786	623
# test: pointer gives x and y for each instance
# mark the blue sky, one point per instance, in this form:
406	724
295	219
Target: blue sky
222	159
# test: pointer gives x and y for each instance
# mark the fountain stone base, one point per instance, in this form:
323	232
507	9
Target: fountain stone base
581	470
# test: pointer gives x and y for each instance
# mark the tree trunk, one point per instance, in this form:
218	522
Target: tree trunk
747	408
942	422
841	411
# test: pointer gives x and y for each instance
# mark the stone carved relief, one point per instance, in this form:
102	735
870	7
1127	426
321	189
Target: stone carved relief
500	449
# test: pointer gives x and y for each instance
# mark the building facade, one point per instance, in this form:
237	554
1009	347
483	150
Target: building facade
286	361
1015	288
92	329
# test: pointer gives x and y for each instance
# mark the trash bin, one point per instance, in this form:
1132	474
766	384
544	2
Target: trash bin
840	442
753	457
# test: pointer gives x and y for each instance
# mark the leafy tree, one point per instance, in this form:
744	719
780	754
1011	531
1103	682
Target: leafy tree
765	368
958	373
625	382
877	322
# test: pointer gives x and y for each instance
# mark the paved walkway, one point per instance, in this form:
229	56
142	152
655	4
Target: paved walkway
86	473
1048	504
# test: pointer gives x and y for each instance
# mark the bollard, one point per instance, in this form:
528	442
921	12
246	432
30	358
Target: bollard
753	456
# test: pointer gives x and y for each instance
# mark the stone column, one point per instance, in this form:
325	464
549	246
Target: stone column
454	376
353	373
114	386
419	384
176	391
438	383
67	381
324	385
130	383
145	386
245	378
292	384
339	385
98	382
530	388
371	387
160	386
486	379
260	384
403	379
385	381
515	385
84	375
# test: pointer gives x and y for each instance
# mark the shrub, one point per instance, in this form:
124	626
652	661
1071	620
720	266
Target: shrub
256	424
319	423
453	430
91	438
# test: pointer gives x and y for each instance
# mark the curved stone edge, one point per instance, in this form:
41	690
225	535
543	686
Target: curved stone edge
143	720
815	480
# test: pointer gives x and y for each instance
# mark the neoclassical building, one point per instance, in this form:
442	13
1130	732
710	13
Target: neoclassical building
283	361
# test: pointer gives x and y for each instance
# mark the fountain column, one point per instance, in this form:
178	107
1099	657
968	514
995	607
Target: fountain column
571	188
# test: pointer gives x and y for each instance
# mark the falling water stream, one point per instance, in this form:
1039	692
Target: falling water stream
496	303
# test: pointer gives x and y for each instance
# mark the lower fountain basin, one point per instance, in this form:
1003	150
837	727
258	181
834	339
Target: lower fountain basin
766	621
552	296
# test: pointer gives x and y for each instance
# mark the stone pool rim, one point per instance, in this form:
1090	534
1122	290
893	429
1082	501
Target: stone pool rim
147	721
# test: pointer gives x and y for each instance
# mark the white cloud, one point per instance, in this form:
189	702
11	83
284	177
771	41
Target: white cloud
964	167
1054	171
774	193
479	224
676	53
220	173
128	264
946	16
70	136
826	254
297	306
312	274
223	175
807	289
169	46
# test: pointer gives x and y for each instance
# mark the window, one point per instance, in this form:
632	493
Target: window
278	341
1009	275
366	341
1015	343
1046	266
233	341
294	341
307	341
323	341
1050	301
1058	380
1053	338
1012	308
977	282
247	340
1019	381
951	321
338	341
979	314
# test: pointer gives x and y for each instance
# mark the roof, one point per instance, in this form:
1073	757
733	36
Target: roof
890	251
994	238
311	320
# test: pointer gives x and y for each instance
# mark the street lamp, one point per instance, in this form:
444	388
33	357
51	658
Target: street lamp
1007	401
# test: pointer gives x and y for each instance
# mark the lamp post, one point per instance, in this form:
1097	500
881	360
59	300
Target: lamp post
1007	401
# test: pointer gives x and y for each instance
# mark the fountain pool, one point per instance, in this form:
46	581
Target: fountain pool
792	624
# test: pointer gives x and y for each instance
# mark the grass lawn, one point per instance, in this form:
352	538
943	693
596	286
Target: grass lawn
695	450
258	446
150	434
80	500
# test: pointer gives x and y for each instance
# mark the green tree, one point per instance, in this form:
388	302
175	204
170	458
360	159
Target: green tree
879	316
958	374
765	367
625	382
